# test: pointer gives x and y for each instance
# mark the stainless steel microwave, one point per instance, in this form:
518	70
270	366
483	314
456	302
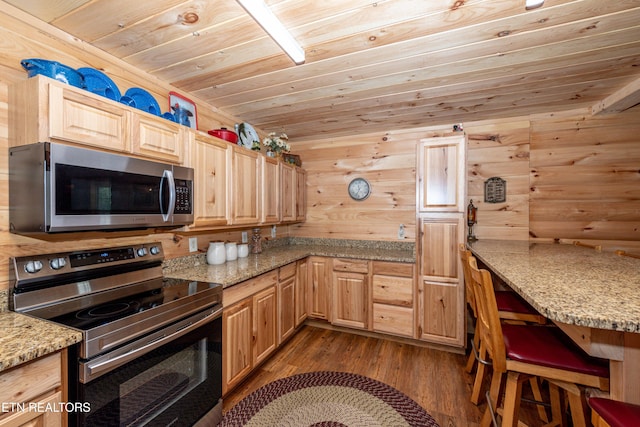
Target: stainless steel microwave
56	188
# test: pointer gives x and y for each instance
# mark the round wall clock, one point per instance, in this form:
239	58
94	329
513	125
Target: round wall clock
359	189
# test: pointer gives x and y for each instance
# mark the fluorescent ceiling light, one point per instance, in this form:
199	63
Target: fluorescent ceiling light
532	4
268	21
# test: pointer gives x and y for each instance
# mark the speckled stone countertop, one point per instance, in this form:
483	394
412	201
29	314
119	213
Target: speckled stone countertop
569	284
230	273
25	338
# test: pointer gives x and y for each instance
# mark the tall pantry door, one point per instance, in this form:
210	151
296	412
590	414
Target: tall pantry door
441	183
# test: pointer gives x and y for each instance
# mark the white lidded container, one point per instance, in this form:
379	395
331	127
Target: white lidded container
231	250
216	254
243	250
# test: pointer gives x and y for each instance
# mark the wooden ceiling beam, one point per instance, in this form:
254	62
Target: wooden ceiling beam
620	100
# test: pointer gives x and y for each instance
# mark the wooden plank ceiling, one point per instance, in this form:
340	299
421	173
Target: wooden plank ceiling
373	65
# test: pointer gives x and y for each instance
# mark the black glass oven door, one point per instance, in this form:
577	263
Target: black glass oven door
175	384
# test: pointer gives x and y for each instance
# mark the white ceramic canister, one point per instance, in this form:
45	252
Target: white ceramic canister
216	253
243	250
232	251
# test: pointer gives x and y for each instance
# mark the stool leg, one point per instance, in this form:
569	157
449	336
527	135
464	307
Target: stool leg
512	395
494	394
472	355
537	395
477	383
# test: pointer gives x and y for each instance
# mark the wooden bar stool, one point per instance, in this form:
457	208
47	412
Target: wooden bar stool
520	352
510	307
613	413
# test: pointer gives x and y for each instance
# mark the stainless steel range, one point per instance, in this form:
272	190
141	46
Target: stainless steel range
151	352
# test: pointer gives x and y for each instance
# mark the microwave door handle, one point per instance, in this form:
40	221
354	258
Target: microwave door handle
168	175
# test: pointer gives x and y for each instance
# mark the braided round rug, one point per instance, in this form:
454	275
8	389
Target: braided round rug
327	399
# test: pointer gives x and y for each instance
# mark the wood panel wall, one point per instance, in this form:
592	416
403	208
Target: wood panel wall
387	161
568	175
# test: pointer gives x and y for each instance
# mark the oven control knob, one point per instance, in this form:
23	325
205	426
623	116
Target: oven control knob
142	251
57	263
33	266
154	250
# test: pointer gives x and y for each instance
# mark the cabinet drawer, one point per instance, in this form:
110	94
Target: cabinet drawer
287	271
353	265
392	268
393	319
393	290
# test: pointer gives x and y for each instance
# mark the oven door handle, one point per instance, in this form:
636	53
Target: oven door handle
93	369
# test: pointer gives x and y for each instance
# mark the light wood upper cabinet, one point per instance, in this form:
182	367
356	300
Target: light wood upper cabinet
441	177
38	382
301	194
270	193
158	138
211	161
245	186
289	191
43	109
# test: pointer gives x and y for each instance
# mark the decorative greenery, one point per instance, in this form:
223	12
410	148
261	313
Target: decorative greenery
277	144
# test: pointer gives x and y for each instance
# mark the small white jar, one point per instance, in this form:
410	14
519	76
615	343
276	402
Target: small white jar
243	250
232	251
216	253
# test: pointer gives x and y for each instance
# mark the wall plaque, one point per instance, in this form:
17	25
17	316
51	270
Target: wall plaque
495	190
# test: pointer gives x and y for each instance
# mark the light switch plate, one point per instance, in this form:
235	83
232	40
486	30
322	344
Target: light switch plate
193	244
245	238
273	231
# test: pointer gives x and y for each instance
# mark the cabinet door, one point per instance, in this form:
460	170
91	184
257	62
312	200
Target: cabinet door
302	275
265	333
350	299
440	286
210	161
76	116
288	176
441	174
33	418
318	286
301	194
245	186
270	190
237	338
286	308
158	138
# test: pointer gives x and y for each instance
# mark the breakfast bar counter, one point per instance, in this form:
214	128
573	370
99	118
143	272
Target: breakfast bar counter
593	296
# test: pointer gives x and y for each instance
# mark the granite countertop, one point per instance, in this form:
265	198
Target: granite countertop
230	273
25	338
567	283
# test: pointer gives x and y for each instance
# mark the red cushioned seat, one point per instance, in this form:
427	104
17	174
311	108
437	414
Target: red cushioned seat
616	413
512	302
546	346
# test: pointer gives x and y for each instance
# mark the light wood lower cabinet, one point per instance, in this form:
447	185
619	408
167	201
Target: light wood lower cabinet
286	301
440	286
265	324
350	293
36	384
319	276
302	280
392	286
249	326
237	341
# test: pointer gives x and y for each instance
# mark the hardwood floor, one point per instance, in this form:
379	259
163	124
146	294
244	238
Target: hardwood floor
433	378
